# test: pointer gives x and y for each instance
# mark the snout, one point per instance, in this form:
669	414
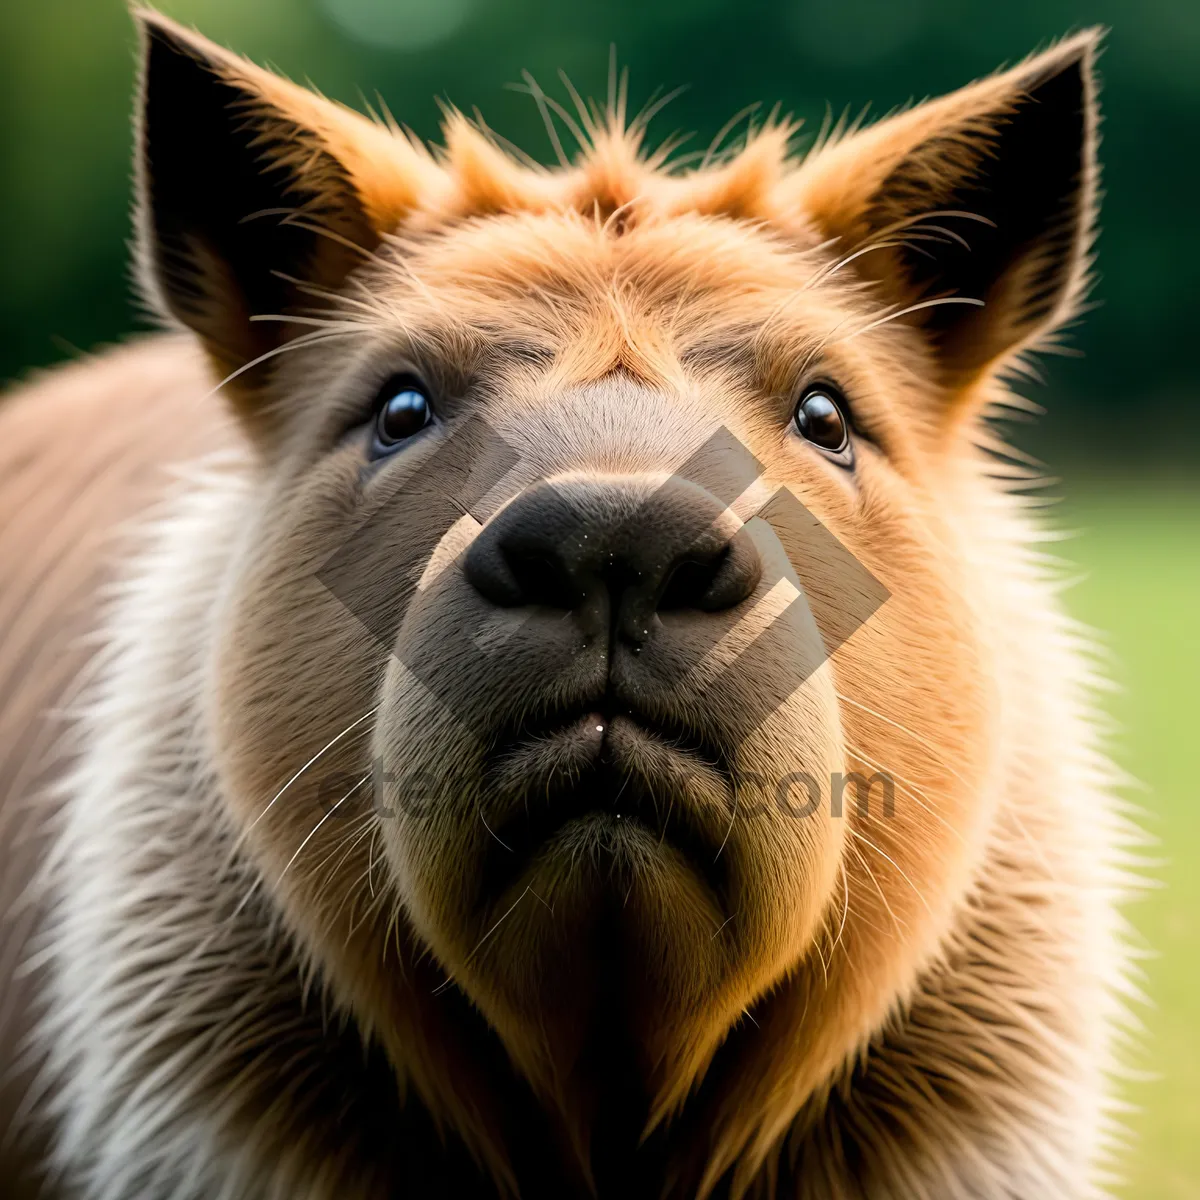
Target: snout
611	555
619	586
605	650
595	695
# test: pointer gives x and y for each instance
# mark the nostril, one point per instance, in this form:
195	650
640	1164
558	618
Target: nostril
713	582
541	578
510	576
690	580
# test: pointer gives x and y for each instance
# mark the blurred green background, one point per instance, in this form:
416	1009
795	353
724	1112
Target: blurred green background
1122	425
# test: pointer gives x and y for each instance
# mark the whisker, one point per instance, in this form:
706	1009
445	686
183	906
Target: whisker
683	160
819	277
300	343
368	910
347	845
953	235
912	308
821	959
367	302
316	322
584	116
479	945
884	244
661	157
911	788
911	223
722	926
358	828
569	121
900	870
500	140
937	214
371	858
643	119
622	98
313	831
900	925
611	94
845	910
377	900
732	818
492	831
903	729
324	750
296	218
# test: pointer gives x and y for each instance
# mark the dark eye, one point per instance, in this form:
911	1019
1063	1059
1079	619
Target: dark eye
401	410
820	418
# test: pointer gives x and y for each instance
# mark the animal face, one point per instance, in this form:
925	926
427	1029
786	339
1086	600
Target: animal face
602	523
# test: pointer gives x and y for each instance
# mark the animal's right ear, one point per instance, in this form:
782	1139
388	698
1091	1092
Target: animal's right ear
256	197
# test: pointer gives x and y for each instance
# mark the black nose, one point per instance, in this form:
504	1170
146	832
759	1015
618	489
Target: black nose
614	553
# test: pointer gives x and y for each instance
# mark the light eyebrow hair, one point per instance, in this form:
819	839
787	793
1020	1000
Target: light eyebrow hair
756	352
737	348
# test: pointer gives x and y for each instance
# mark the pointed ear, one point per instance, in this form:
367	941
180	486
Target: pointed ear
987	193
255	196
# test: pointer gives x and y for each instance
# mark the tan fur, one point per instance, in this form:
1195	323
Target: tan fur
918	1006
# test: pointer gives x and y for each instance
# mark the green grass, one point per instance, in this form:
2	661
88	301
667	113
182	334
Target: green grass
1140	548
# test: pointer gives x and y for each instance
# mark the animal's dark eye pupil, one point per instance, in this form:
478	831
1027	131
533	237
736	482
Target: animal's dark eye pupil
403	414
820	420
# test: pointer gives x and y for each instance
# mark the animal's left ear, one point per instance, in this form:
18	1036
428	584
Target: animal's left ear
987	193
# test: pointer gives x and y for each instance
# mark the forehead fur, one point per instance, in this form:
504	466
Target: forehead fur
585	302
